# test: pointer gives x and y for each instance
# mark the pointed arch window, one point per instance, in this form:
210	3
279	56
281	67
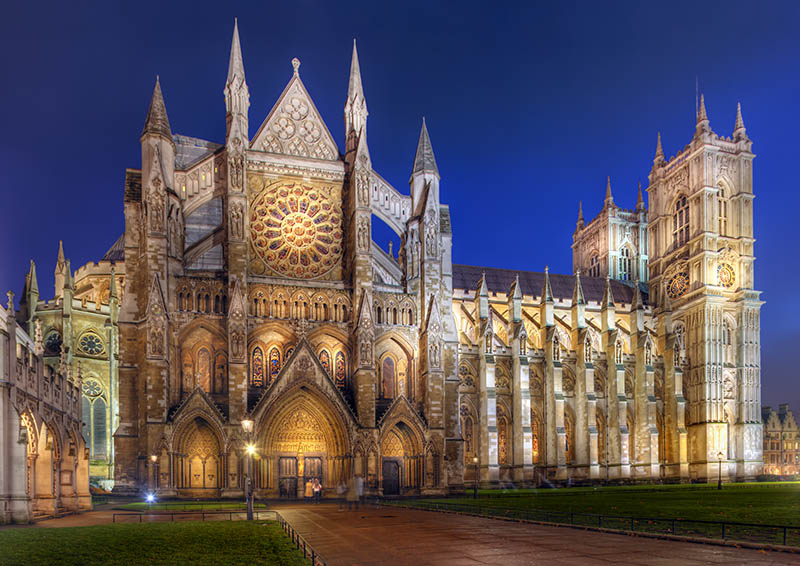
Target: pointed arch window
220	373
94	419
257	368
594	266
680	221
325	361
722	203
288	352
341	370
624	271
274	364
204	370
388	377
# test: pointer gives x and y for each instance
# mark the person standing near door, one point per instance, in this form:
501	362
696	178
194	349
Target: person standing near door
316	486
309	490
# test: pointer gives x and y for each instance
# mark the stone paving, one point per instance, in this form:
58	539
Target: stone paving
384	535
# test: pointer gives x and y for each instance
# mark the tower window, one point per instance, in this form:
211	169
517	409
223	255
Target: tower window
723	212
680	221
624	271
594	266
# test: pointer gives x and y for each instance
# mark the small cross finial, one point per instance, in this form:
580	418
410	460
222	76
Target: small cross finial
296	65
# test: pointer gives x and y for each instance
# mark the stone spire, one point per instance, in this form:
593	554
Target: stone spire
424	161
112	292
609	198
659	157
61	268
355	108
577	292
157	122
637	308
639	199
482	297
580	224
33	284
547	291
608	295
739	131
703	124
235	63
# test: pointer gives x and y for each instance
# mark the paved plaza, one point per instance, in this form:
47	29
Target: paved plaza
382	536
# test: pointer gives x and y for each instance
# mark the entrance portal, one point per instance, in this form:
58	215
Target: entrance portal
391	477
287	477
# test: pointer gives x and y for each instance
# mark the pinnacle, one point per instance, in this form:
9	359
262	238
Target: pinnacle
702	116
60	253
659	149
609	198
639	198
424	161
637	297
236	63
33	284
547	291
157	121
355	89
739	120
608	295
580	211
577	293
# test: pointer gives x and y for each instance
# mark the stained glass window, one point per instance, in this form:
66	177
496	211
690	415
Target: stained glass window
257	368
325	360
388	377
274	364
341	370
99	428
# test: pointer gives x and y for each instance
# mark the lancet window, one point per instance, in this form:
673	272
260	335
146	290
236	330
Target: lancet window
680	221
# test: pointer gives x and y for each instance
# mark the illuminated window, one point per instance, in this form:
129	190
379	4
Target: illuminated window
594	266
388	377
274	364
680	222
257	368
624	271
325	361
341	370
722	202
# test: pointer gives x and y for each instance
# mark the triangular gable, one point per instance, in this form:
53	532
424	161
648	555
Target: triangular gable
294	127
309	370
155	302
197	401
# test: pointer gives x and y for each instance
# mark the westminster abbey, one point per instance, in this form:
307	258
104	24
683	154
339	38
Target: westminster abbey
246	287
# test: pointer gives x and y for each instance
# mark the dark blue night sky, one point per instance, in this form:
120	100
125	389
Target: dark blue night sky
529	108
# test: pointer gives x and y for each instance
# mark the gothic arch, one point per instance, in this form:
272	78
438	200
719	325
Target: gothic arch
200	453
393	346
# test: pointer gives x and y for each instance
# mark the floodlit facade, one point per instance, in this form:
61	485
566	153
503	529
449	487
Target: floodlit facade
781	441
44	462
247	287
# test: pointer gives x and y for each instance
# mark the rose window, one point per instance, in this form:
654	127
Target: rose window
296	230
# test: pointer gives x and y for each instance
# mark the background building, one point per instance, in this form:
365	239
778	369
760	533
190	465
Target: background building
781	441
44	462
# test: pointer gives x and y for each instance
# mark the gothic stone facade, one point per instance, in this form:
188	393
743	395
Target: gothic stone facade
254	291
44	462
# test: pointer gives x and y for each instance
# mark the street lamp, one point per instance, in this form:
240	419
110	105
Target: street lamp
475	488
720	455
247	426
154	459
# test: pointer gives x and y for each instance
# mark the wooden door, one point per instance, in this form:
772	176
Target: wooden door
287	477
391	477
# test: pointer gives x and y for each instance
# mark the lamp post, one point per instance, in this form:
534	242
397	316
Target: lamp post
720	454
475	487
247	426
153	460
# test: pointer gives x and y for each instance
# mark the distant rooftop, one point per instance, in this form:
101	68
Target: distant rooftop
117	251
189	150
466	277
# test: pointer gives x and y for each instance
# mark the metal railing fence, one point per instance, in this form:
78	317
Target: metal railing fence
785	535
300	542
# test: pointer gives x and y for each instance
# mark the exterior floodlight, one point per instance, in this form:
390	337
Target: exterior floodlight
251	448
150	498
153	458
247	425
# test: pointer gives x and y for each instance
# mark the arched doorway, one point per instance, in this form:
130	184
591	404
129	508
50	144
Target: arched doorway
302	438
401	460
199	458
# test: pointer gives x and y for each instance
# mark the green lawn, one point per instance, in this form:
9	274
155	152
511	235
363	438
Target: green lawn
775	503
188	506
196	543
